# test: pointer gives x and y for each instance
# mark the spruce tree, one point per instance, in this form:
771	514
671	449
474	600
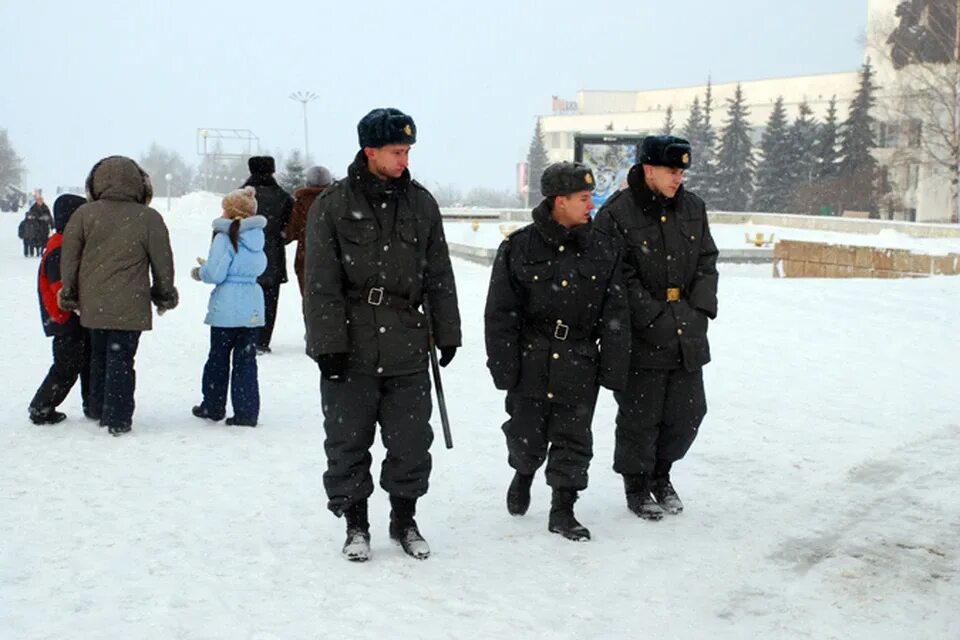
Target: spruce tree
537	162
668	125
803	139
292	178
693	132
735	163
705	156
858	167
827	157
774	175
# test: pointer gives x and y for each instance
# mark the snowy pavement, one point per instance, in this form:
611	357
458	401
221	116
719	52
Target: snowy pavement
821	497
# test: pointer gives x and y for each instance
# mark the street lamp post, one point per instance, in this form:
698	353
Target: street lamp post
168	178
303	97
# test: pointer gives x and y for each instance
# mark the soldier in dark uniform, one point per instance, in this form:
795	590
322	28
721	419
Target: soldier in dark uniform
555	292
375	253
670	270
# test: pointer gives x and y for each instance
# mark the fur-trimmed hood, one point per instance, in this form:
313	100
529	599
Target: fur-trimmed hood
119	178
252	241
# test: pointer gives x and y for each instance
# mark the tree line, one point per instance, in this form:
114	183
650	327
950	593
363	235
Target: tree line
804	166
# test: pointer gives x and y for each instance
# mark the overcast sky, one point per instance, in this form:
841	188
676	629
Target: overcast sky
84	80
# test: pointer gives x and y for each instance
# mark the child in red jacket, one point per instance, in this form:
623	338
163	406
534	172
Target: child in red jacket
71	346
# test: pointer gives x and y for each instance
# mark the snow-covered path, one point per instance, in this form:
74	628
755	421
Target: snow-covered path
821	495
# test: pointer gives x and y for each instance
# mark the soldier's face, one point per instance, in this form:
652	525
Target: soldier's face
663	180
573	210
389	161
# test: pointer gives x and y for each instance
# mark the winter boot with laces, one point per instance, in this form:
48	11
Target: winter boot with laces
403	528
562	520
639	500
518	495
357	546
663	489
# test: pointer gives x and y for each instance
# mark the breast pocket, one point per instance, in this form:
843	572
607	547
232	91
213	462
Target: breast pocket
645	242
538	279
359	231
690	231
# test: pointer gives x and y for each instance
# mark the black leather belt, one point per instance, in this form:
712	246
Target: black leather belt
559	330
377	296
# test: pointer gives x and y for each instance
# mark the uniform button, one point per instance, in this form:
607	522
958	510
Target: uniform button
593	277
556	356
662	218
549	396
693	237
383	205
562	248
563	283
383	329
679	332
535	278
386	247
669	257
645	243
559	321
379	369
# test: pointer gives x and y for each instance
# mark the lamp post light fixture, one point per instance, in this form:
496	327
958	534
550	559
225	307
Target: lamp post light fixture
168	178
303	97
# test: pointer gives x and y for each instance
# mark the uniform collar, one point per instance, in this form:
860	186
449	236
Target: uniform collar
374	188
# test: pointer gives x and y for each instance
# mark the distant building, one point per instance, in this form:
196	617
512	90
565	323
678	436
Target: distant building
921	190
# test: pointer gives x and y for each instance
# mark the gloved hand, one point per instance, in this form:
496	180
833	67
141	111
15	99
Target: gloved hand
66	304
446	355
333	366
195	273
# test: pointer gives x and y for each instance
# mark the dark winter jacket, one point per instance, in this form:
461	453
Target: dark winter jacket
374	250
297	227
56	322
30	228
554	293
667	244
113	247
274	204
42	212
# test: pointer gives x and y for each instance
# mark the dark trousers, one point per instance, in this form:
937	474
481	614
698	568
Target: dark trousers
271	297
658	419
539	430
71	360
351	411
112	376
240	342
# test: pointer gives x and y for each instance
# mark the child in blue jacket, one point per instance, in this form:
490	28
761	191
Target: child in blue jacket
235	312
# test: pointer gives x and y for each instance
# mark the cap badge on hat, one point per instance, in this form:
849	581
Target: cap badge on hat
685	159
407	130
588	178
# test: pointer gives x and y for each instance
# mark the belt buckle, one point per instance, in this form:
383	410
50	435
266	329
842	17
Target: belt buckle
375	296
673	294
561	331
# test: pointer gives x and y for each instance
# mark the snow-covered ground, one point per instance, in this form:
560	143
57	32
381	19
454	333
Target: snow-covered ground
489	234
821	495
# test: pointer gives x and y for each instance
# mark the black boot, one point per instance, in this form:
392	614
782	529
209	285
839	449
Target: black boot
562	520
357	546
639	500
201	411
518	495
403	527
46	416
663	489
117	430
